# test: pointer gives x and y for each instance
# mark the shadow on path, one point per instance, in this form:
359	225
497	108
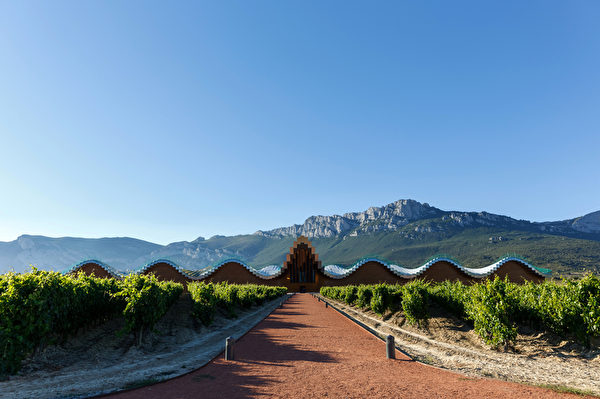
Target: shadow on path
273	343
305	350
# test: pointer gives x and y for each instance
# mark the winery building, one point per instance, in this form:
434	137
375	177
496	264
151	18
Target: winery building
303	271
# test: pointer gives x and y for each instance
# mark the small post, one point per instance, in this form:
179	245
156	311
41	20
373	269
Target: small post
326	305
229	341
390	347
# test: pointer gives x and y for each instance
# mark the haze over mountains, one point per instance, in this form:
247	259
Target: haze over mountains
405	231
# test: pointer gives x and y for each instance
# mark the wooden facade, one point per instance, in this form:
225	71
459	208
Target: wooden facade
302	267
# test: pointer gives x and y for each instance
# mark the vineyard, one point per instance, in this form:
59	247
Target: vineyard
570	309
42	308
208	297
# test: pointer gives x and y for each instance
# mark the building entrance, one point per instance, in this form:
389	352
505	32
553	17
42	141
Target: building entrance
302	263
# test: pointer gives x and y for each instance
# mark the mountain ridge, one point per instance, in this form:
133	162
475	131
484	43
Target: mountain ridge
404	231
394	216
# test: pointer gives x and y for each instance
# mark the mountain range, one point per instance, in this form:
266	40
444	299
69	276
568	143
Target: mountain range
405	232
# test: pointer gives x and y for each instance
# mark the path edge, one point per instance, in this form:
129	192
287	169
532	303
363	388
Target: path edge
213	352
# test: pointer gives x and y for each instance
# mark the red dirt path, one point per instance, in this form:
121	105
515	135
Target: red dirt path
306	351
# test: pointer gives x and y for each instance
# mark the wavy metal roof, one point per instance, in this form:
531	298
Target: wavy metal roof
332	271
338	272
267	272
109	270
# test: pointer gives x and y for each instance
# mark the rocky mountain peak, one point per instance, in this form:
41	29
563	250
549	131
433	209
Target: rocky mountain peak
405	209
589	223
388	217
25	242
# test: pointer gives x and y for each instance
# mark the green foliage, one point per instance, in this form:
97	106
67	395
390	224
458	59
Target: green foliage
412	297
487	305
334	292
350	294
490	310
208	297
380	300
451	295
246	297
227	298
205	301
415	301
147	300
565	308
363	296
568	308
588	295
40	308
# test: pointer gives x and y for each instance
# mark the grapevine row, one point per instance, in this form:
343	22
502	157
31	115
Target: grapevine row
495	307
41	308
208	297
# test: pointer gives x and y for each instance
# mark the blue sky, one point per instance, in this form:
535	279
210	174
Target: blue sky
169	120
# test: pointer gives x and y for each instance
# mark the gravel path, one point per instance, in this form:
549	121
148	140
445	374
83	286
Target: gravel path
304	350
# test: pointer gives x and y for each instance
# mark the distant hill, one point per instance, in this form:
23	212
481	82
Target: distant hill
59	253
406	232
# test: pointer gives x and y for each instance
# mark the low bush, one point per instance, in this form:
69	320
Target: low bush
380	300
208	297
205	301
415	301
350	294
450	295
494	307
567	308
364	293
41	307
490	310
146	301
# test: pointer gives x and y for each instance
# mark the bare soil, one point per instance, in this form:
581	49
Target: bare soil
99	360
537	358
305	350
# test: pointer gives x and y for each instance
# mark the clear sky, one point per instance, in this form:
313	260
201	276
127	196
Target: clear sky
170	120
